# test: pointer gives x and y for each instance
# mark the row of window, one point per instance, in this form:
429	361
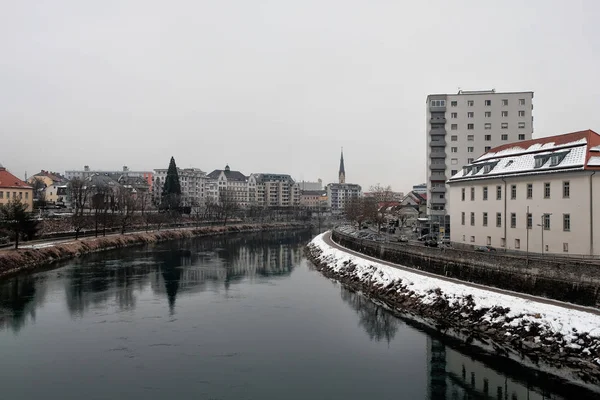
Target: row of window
487	138
566	191
488	114
487	126
517	243
14	194
487	102
545	220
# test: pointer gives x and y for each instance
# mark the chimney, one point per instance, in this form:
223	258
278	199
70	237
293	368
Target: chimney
86	167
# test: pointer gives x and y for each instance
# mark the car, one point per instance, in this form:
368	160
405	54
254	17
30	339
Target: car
403	238
391	230
431	243
484	249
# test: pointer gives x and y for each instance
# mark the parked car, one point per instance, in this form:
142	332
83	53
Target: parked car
485	249
431	243
391	230
403	238
427	237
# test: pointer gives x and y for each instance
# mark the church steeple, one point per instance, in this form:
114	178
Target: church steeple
342	173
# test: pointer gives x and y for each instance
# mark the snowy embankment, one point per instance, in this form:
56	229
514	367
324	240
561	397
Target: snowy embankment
511	326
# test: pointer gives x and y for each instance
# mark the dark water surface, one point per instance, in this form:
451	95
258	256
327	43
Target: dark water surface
243	317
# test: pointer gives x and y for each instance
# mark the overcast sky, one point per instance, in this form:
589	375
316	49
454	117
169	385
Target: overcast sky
277	86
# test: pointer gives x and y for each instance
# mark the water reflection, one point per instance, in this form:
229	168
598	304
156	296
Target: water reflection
166	269
452	375
379	324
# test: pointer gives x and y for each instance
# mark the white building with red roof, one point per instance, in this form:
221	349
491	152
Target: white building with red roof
538	196
12	187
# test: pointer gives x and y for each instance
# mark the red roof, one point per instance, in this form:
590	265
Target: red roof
8	180
592	139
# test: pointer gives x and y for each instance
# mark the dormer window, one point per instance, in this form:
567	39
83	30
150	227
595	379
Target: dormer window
487	168
540	160
557	158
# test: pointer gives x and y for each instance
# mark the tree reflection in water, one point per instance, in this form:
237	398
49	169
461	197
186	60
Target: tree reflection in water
19	299
376	321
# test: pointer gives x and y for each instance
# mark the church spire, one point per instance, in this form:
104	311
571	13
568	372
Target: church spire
342	173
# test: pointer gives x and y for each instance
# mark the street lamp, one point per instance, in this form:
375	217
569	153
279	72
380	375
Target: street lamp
542	226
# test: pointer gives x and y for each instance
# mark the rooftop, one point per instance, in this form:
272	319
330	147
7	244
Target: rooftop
8	180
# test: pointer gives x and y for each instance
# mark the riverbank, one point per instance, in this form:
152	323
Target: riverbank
557	340
29	259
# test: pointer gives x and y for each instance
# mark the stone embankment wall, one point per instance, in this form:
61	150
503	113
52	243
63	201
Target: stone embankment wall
573	281
28	259
525	339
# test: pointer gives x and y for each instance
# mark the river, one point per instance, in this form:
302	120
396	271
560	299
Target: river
238	317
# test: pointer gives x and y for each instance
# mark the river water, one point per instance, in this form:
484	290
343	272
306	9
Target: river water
239	317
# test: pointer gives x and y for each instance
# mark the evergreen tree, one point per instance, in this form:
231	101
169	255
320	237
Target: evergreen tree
171	194
15	218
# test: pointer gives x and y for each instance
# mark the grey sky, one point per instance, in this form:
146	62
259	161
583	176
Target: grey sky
277	86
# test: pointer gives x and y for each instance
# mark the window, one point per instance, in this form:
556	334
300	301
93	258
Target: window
566	247
462	218
470	103
502	242
27	195
547	190
20	195
487	126
539	161
489	243
521	125
546	219
504	137
454	161
472	239
513	192
470	126
504	102
469	160
485	193
513	220
487	148
505	113
438	103
488	114
529	190
463	238
487	138
566	189
462	194
504	125
529	221
498	192
521	136
453	127
499	220
472	194
453	103
484	219
454	171
566	222
454	149
521	113
517	243
472	219
454	115
470	115
488	103
521	102
454	138
1	194
470	138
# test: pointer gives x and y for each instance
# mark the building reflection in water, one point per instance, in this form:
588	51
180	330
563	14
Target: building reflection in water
167	269
451	375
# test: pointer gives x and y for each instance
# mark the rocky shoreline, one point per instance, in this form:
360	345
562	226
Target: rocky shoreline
29	259
526	338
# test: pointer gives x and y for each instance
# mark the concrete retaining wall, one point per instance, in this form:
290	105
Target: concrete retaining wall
571	281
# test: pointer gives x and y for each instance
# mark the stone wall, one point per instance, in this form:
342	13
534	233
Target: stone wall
571	281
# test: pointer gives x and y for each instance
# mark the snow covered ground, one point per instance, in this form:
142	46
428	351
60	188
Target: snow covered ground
577	331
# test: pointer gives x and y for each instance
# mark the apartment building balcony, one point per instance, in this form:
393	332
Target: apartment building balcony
437	164
435	153
437	132
437	143
437	109
437	120
437	200
438	189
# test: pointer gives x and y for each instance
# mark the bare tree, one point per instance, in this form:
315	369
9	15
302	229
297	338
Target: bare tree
360	210
383	196
78	222
126	204
78	191
228	204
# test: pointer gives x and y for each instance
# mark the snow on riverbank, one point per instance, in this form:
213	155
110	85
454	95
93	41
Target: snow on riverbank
544	325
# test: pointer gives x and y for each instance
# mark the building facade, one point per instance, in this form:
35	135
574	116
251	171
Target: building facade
234	185
12	187
273	190
460	127
195	186
339	194
540	196
313	199
86	172
304	185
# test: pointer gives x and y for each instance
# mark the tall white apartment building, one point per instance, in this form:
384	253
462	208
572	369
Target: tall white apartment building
463	126
275	190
